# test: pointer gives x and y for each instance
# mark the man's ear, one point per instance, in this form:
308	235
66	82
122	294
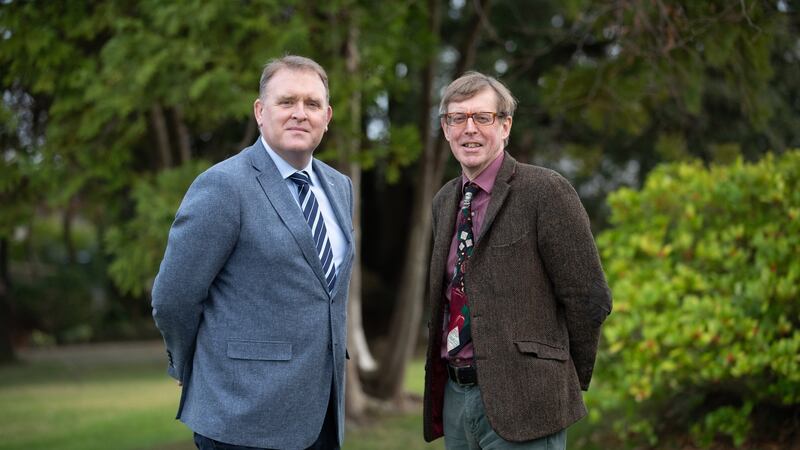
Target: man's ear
507	126
258	108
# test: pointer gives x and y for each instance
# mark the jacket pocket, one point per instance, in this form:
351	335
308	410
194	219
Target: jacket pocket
541	350
265	351
508	242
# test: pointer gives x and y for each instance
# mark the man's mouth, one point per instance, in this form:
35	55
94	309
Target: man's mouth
472	145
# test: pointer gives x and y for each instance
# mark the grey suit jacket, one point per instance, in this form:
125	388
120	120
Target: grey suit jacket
241	300
537	296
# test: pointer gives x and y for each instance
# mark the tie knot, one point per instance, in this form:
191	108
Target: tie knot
300	178
470	189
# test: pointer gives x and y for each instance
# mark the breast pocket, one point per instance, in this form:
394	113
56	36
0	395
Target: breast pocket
510	244
512	262
259	350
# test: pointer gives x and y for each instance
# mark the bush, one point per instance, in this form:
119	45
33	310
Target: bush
137	246
704	265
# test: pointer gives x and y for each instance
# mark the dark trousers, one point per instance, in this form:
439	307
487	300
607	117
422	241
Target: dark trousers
327	439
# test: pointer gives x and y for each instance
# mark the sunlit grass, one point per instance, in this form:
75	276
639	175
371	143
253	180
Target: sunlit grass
58	404
120	397
415	377
101	399
395	432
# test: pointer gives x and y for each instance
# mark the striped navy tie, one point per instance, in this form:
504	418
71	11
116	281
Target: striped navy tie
313	215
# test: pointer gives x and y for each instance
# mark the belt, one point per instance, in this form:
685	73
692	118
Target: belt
464	376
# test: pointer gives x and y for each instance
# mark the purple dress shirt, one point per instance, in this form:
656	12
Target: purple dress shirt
484	180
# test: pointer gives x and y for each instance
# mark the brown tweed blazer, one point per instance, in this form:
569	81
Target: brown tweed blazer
537	296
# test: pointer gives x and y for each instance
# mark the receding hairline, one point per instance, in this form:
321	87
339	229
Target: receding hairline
292	63
473	83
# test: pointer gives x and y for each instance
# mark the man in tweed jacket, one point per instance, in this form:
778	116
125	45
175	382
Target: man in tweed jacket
532	282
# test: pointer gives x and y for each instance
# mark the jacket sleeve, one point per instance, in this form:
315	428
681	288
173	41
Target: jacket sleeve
572	262
204	233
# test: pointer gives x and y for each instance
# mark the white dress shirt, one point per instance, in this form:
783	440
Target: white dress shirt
335	235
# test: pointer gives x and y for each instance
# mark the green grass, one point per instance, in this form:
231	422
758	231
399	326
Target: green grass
84	404
395	432
119	397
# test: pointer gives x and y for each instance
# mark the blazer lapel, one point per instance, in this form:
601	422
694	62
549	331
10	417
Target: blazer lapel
278	195
499	193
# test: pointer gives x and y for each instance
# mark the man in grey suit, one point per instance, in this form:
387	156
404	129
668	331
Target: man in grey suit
252	291
517	292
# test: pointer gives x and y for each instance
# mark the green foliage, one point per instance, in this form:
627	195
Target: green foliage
727	420
709	80
703	264
61	300
665	56
138	244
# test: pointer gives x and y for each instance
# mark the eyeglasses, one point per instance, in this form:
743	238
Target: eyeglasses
480	118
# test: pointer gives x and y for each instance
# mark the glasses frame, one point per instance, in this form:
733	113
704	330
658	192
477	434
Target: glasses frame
446	117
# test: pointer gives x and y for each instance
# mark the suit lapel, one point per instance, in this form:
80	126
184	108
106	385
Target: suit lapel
499	193
274	186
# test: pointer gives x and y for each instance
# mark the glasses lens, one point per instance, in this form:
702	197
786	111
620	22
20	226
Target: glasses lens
483	118
456	118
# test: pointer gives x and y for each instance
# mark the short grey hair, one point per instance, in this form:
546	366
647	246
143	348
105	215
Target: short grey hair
291	62
470	84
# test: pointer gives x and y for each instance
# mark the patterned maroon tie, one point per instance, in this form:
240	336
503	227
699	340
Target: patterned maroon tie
458	328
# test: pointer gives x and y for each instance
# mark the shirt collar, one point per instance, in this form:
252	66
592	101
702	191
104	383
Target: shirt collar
485	180
284	167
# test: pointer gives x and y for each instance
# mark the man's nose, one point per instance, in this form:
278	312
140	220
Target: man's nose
299	111
470	126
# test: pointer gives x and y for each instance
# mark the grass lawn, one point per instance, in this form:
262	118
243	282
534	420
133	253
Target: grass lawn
104	397
119	397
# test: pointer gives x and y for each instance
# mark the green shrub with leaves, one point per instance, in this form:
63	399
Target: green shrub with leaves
138	245
704	264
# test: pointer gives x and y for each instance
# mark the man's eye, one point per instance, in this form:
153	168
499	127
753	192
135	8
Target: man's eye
482	118
458	118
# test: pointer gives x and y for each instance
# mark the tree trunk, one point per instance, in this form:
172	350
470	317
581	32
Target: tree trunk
184	137
408	310
159	123
7	353
250	133
355	399
66	231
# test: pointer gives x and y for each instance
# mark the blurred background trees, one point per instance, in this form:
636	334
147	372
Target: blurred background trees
110	109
